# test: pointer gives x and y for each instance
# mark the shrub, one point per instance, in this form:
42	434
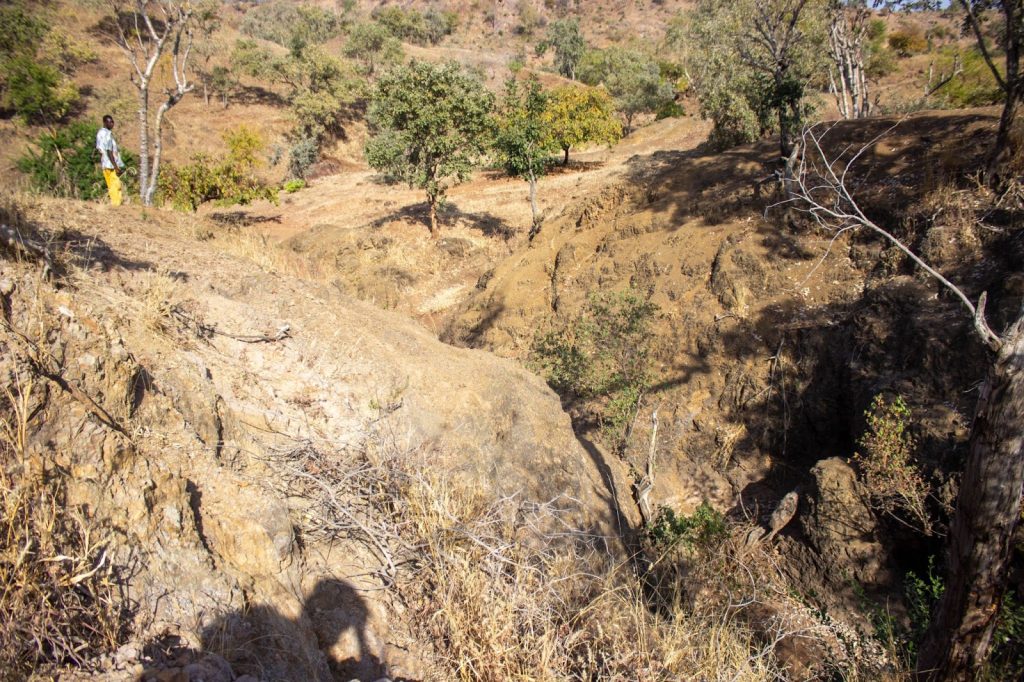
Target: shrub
21	31
287	24
404	24
892	477
65	163
603	353
303	154
37	92
65	52
703	528
908	42
294	185
228	180
973	87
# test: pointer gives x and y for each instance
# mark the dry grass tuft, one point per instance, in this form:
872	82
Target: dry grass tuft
59	598
504	599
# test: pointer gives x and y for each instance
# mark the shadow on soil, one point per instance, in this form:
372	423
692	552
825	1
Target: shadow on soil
262	642
490	225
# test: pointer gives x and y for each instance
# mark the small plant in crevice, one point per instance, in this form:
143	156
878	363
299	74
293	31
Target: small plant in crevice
703	528
887	464
603	354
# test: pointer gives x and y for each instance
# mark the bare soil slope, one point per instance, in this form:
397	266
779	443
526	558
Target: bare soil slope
192	392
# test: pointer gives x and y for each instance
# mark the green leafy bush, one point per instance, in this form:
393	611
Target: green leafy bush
892	477
228	180
974	86
908	42
414	26
703	528
65	163
37	92
292	186
603	353
302	156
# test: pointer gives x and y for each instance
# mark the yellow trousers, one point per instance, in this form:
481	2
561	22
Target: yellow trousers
113	186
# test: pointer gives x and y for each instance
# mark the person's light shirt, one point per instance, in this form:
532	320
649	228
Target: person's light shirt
105	142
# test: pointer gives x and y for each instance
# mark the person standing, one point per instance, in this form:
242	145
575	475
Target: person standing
110	159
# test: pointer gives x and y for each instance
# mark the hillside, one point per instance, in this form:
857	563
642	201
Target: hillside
689	430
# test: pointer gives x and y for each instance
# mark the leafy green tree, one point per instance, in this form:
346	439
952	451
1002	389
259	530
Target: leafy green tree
524	142
633	79
223	83
63	162
440	24
751	62
206	46
579	114
430	124
404	24
252	59
566	39
373	46
323	88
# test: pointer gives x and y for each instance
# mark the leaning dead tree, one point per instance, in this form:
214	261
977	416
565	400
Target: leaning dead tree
979	547
147	30
848	81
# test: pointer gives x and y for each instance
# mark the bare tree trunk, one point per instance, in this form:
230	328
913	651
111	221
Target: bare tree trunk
535	224
988	510
144	44
846	47
432	202
143	138
158	148
565	161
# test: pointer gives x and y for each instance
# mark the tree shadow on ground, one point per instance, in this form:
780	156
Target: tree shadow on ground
261	641
487	223
242	219
248	95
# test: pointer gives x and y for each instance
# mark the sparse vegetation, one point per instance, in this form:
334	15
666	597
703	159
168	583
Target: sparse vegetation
888	465
603	354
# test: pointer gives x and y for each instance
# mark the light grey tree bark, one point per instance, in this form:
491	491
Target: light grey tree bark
146	30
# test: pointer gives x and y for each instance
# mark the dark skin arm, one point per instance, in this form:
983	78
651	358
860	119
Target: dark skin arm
110	156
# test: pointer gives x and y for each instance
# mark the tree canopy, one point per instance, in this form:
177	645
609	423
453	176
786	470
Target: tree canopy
566	39
580	114
431	125
524	143
633	78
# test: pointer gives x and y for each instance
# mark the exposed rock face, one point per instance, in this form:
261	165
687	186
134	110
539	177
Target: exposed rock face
843	558
178	413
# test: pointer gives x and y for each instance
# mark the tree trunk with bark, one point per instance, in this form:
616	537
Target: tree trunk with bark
957	643
145	43
848	79
535	224
432	203
1009	80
